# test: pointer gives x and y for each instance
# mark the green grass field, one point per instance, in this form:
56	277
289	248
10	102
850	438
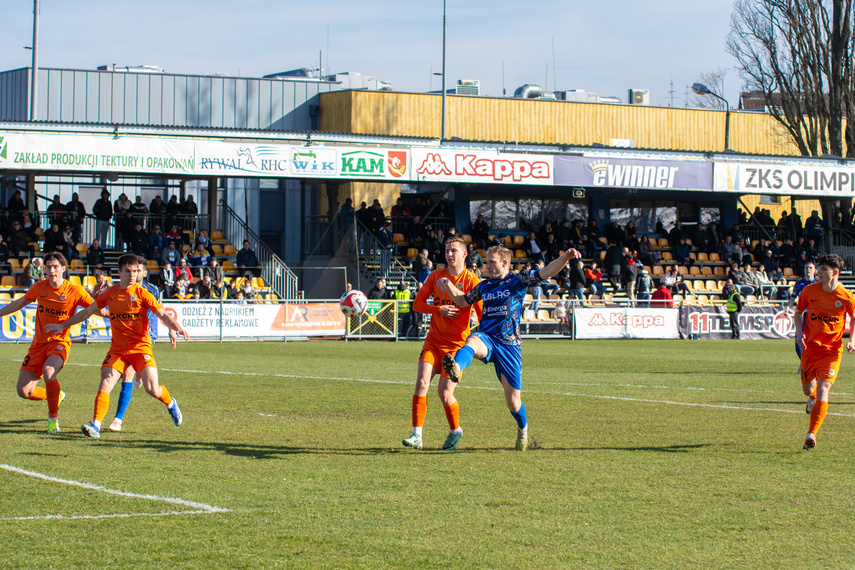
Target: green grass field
645	454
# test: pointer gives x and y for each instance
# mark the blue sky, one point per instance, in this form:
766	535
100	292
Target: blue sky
604	47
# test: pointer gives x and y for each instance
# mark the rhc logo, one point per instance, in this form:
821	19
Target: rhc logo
782	324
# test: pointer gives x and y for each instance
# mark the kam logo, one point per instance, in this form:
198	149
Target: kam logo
3	145
363	164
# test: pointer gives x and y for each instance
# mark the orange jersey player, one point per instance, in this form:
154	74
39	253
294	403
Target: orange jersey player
820	321
56	300
449	327
129	304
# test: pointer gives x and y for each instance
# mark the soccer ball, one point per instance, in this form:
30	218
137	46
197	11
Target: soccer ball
353	303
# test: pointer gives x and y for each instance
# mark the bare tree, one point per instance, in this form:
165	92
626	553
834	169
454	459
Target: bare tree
798	55
715	81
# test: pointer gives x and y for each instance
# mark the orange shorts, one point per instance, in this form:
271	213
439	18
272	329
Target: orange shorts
433	352
138	360
38	354
822	367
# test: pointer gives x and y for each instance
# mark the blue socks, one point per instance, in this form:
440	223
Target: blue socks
520	417
124	399
464	356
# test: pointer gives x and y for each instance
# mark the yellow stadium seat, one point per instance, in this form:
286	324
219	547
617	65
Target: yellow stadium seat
715	258
663	242
703	257
519	240
467	239
7	281
229	250
216	249
412	253
399	238
75	280
217	235
81	248
718	271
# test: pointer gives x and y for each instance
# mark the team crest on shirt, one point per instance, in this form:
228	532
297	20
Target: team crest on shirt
838	304
62	297
60	348
133	299
831	372
147	357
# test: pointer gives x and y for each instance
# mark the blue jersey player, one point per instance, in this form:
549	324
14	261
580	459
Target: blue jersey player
809	277
498	337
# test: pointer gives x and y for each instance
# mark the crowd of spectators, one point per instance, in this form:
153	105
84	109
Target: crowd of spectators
189	264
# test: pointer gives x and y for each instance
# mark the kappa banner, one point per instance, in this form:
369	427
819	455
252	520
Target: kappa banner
252	320
754	322
786	179
486	167
617	322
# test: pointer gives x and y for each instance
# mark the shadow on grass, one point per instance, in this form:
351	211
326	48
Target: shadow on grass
250	451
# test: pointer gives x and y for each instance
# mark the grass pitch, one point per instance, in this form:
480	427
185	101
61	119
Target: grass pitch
644	454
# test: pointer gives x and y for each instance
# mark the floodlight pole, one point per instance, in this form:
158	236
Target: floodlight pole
444	26
34	91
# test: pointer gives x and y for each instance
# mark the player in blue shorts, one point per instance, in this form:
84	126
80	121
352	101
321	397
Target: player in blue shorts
498	337
809	277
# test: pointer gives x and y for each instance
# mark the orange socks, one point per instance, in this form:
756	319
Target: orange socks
817	414
52	389
164	396
39	393
102	402
419	410
452	414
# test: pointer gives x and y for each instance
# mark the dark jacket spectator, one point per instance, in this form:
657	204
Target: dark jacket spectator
95	256
246	260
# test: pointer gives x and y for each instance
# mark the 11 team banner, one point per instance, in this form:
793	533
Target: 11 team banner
257	320
765	321
20	326
620	322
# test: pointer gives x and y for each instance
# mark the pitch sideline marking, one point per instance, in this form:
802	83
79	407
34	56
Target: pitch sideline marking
200	508
373	381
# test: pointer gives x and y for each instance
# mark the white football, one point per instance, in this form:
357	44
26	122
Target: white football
353	303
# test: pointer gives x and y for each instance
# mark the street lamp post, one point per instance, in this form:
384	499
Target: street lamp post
34	97
444	26
701	89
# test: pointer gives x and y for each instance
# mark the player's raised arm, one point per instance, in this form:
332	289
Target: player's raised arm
14	306
850	346
172	324
455	294
558	263
79	317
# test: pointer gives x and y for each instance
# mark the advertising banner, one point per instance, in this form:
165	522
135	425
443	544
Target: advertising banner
632	173
786	179
620	322
253	320
480	166
104	153
20	326
754	322
90	153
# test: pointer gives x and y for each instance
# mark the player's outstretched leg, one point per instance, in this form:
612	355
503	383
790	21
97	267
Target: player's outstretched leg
452	369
